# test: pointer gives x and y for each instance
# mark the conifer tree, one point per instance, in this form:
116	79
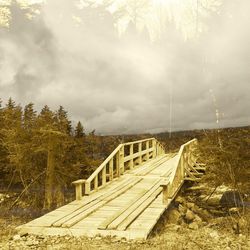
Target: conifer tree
29	117
64	125
79	130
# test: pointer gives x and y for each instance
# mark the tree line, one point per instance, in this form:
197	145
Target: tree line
42	153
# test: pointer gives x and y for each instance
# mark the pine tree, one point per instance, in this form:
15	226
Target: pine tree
79	130
29	116
64	125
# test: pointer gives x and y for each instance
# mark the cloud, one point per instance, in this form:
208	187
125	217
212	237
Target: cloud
123	84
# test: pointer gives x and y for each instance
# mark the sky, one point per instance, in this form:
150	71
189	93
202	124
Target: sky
123	68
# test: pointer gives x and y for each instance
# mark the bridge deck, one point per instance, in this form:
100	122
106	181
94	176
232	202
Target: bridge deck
129	206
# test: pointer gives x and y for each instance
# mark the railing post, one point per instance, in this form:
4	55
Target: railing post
104	176
96	182
131	152
165	192
111	172
154	148
117	163
157	148
147	148
87	188
139	150
121	159
78	188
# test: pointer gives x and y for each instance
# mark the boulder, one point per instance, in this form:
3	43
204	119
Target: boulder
180	200
182	209
193	226
231	199
243	225
214	200
198	219
214	235
16	237
190	205
203	214
173	216
189	216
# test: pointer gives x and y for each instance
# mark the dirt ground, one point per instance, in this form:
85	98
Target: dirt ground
188	224
217	234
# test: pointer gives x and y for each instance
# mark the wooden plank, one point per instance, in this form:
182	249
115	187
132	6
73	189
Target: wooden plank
152	166
107	222
89	203
82	215
147	164
122	216
138	211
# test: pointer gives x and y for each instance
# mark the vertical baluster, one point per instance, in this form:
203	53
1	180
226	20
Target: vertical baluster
154	148
182	165
104	176
96	183
111	171
147	148
139	150
121	159
87	188
117	158
131	152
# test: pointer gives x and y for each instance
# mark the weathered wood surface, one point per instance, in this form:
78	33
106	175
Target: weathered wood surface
130	205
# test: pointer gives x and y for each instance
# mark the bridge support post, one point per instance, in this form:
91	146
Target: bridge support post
78	188
165	192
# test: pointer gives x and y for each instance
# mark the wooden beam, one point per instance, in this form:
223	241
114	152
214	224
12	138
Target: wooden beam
78	188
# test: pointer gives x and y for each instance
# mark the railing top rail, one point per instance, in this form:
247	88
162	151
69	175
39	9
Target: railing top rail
179	155
186	144
139	141
106	161
99	169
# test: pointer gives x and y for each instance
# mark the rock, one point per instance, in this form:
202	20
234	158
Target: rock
173	216
242	225
214	235
29	243
231	199
16	237
234	210
193	226
198	219
24	234
189	216
180	200
190	205
214	200
204	214
182	209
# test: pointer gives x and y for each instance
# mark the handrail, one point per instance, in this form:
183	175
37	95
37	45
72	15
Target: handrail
98	170
177	177
123	158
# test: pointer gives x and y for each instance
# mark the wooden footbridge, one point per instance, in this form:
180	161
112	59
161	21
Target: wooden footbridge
126	195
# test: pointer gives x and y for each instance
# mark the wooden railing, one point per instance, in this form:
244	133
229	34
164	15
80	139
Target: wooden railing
125	157
184	160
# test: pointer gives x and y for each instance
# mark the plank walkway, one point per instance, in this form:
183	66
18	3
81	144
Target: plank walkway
129	206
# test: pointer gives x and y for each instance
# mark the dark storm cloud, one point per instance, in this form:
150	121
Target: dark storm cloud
123	85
